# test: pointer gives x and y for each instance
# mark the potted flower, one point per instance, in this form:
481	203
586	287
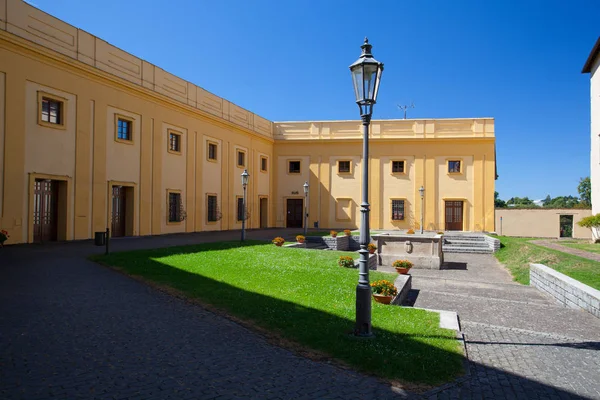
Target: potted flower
383	291
402	266
410	232
278	241
333	233
346	262
3	237
300	239
371	247
347	232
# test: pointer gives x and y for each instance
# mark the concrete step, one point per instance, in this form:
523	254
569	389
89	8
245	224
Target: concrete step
461	239
459	249
473	244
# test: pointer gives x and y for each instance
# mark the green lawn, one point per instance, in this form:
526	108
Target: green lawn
591	247
517	253
303	296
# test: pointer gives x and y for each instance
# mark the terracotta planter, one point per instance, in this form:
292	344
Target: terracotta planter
402	271
301	241
333	235
372	251
382	299
278	244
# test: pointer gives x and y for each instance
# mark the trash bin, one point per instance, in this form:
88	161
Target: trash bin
100	238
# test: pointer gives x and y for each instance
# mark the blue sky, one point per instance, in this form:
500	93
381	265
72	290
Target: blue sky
516	61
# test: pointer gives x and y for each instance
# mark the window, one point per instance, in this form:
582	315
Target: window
294	167
343	167
397	210
174	207
124	129
51	111
454	167
212	151
241	158
211	208
240	209
263	164
174	142
397	167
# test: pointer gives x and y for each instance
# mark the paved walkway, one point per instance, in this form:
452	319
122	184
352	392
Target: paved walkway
576	252
71	329
521	344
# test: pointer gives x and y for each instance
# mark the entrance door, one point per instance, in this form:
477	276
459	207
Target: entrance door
264	212
118	211
454	215
45	205
294	213
566	226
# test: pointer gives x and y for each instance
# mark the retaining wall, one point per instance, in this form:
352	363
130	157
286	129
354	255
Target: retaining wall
564	289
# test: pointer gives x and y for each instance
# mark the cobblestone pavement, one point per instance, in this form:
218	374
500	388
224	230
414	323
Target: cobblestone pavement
520	343
71	329
576	252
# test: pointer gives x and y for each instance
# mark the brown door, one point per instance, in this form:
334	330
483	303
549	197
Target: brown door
118	211
264	213
294	213
45	207
454	215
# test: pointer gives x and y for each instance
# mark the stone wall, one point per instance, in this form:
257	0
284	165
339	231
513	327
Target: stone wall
493	242
564	289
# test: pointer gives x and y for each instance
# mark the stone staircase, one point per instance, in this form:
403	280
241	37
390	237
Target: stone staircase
469	243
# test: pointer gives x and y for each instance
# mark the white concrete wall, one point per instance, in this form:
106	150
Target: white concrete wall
595	139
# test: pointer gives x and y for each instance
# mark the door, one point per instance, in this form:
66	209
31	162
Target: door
454	215
118	211
45	205
294	213
264	213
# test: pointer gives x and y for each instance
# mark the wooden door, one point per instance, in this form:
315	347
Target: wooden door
118	211
264	213
45	205
454	215
294	213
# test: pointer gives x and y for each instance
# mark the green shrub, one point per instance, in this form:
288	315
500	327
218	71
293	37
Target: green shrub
590	222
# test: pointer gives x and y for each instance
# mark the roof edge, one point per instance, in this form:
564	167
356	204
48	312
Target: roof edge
587	67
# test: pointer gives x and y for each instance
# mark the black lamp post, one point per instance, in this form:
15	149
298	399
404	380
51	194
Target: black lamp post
245	177
422	192
305	208
366	75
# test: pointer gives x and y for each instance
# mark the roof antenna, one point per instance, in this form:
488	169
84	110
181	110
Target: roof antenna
404	108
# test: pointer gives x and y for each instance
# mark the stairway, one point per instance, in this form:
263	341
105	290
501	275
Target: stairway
466	243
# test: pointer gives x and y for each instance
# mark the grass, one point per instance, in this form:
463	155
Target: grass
517	253
591	247
303	298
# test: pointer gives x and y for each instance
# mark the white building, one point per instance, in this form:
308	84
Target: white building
592	66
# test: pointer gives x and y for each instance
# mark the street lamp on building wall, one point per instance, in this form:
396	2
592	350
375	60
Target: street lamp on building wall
305	208
245	176
366	75
422	192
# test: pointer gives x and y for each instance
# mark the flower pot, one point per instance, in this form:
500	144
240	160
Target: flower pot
333	235
278	244
301	241
402	271
372	251
380	298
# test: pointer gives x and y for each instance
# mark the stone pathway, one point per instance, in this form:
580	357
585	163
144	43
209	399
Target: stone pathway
576	252
72	329
521	344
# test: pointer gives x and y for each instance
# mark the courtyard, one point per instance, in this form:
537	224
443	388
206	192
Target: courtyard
75	329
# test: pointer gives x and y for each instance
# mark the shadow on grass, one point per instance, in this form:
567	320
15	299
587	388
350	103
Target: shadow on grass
310	331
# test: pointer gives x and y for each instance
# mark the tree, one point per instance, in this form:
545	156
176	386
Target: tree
522	202
547	200
561	202
585	191
498	203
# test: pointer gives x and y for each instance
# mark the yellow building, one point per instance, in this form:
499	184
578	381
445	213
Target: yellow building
93	137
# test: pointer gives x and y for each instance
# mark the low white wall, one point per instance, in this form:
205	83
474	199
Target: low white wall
564	289
539	222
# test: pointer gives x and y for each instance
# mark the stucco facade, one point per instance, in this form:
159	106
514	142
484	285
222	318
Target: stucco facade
592	67
92	134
